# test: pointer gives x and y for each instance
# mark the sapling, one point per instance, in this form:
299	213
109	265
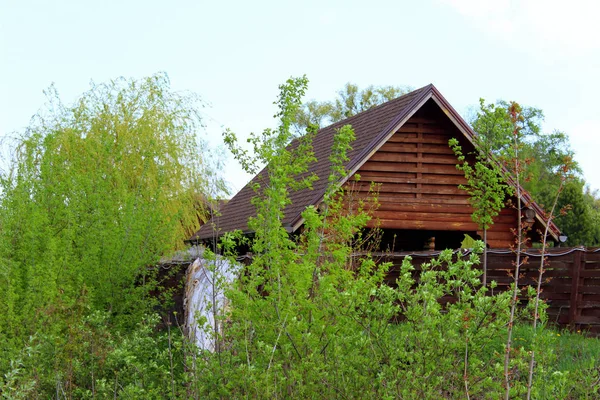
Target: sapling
564	173
514	112
486	188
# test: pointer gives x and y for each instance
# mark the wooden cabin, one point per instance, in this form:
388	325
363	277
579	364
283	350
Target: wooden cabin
402	146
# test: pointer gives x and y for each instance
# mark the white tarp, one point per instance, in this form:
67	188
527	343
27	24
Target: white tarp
205	299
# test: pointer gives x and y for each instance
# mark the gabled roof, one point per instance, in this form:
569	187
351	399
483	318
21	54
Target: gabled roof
372	129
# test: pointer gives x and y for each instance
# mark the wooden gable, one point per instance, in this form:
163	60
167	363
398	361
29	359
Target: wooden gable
417	180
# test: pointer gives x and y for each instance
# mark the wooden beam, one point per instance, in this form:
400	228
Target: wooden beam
454	200
573	306
425	147
418	157
410	167
406	138
423	215
424	225
425	178
420	189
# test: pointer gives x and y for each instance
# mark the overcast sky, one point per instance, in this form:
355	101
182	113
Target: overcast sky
541	53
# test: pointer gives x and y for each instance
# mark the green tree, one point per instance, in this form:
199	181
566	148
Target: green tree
350	101
515	167
96	194
542	157
580	222
487	189
493	128
592	199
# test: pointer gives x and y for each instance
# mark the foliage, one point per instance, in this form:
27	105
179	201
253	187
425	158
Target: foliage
545	165
564	176
542	156
486	188
309	318
97	193
493	126
581	222
485	185
350	101
515	166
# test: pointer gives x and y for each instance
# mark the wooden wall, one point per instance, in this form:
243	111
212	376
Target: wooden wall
418	181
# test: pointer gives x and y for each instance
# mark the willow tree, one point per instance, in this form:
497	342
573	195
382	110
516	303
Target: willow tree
97	192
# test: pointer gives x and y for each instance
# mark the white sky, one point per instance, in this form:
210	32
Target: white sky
541	53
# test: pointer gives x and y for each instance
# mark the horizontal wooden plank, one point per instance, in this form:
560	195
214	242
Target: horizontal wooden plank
589	304
556	297
432	216
590	297
589	289
414	157
430	148
369	176
580	319
498	243
420	188
455	200
554	264
425	225
591	282
498	235
417	119
381	177
590	273
592	257
443	169
558	288
404	216
428	129
592	313
424	207
412	137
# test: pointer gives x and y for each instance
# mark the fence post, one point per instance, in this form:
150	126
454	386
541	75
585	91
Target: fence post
574	303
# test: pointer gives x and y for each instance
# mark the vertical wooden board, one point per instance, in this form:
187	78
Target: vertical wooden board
573	309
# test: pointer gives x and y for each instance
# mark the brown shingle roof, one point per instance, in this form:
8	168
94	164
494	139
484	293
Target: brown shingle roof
371	128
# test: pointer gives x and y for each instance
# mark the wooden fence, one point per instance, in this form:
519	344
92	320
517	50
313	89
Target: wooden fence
571	284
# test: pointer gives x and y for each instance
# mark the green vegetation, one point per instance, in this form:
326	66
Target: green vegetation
542	155
96	193
100	191
487	189
308	320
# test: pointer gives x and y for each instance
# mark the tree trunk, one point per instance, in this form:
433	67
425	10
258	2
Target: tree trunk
484	257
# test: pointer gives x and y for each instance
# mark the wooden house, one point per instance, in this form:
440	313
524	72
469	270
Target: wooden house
402	146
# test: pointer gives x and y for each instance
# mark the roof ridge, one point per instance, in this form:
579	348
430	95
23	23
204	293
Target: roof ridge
343	122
